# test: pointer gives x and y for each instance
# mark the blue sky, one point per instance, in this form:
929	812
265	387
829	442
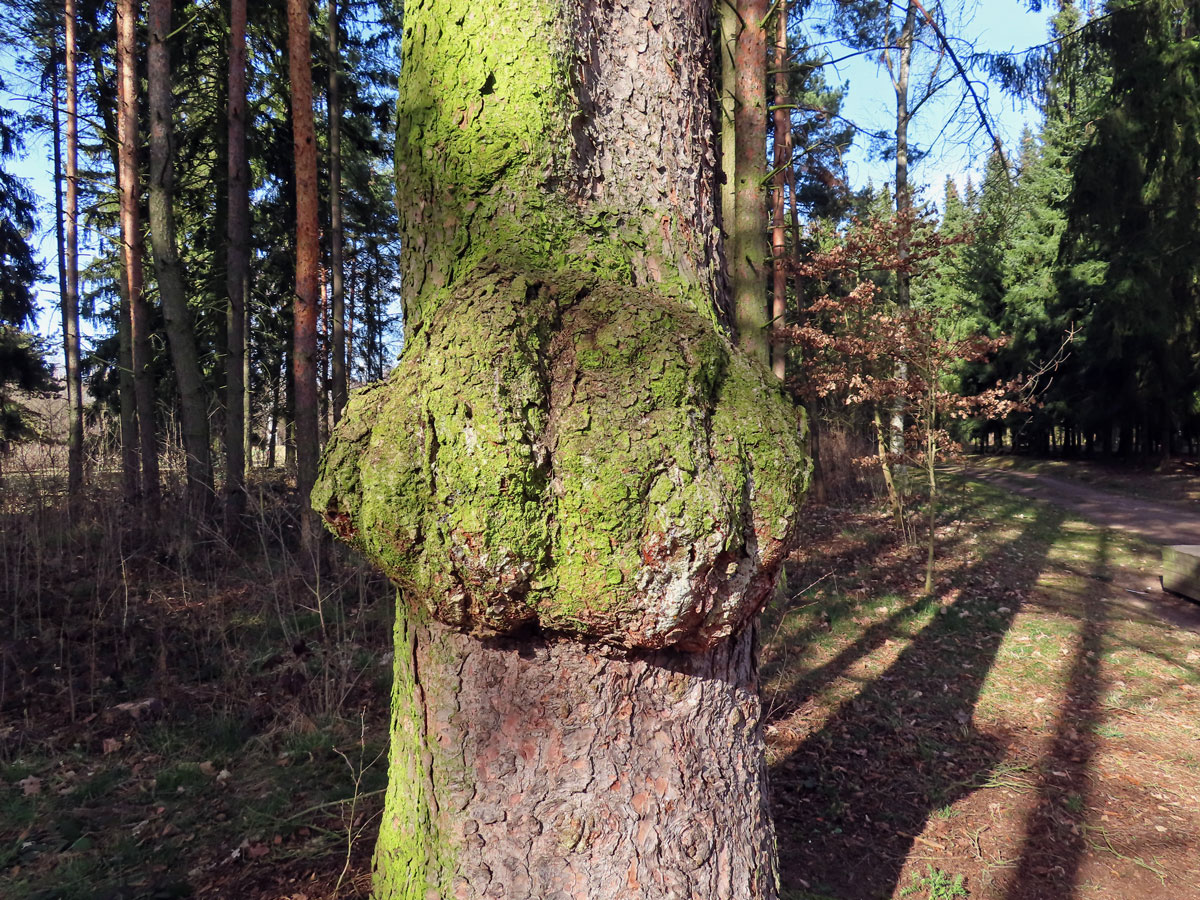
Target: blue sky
994	25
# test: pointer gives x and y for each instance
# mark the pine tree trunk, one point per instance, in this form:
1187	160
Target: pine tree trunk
131	239
169	270
903	192
336	231
304	334
539	769
237	255
748	255
70	297
783	163
904	211
106	103
583	490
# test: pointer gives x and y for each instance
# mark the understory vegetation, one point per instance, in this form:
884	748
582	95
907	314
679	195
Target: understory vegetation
181	720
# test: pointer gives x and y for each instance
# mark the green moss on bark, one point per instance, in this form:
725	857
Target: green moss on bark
413	855
483	149
567	452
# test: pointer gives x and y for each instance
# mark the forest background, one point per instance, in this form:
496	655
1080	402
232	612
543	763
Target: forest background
225	278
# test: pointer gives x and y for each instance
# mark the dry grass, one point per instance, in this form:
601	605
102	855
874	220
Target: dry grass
178	716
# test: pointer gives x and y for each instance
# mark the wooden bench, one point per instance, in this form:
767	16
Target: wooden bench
1181	570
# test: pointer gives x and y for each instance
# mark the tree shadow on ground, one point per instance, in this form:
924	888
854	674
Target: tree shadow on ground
1056	826
851	799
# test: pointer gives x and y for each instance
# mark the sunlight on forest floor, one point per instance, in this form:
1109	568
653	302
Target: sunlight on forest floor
1032	727
190	721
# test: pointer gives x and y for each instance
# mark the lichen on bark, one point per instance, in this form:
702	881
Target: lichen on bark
562	453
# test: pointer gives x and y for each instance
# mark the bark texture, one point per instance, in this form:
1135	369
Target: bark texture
172	292
538	137
562	452
553	770
583	489
304	328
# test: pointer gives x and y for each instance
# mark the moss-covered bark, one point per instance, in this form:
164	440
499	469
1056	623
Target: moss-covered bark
571	461
568	453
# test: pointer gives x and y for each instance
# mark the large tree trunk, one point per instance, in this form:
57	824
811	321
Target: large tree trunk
131	240
237	274
70	297
304	333
583	490
565	770
169	269
336	233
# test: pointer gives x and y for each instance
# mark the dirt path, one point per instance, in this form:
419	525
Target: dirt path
1160	523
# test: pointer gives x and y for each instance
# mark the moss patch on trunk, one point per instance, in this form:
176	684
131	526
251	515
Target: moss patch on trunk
562	452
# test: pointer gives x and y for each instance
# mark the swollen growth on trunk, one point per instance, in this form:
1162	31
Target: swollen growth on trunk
582	489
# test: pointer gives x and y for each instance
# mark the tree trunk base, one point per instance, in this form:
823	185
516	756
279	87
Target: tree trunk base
553	770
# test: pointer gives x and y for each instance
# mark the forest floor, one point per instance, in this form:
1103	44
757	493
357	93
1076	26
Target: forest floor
182	718
1175	482
1029	732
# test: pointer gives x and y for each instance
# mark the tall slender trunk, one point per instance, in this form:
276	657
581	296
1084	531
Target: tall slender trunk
304	333
729	27
904	210
903	192
817	488
749	251
247	380
70	297
131	238
130	470
351	293
336	230
107	103
273	424
783	162
169	269
237	274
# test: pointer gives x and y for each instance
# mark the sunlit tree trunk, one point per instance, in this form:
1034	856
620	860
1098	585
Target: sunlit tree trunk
336	232
106	102
304	335
582	488
897	478
748	255
131	239
901	78
783	163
